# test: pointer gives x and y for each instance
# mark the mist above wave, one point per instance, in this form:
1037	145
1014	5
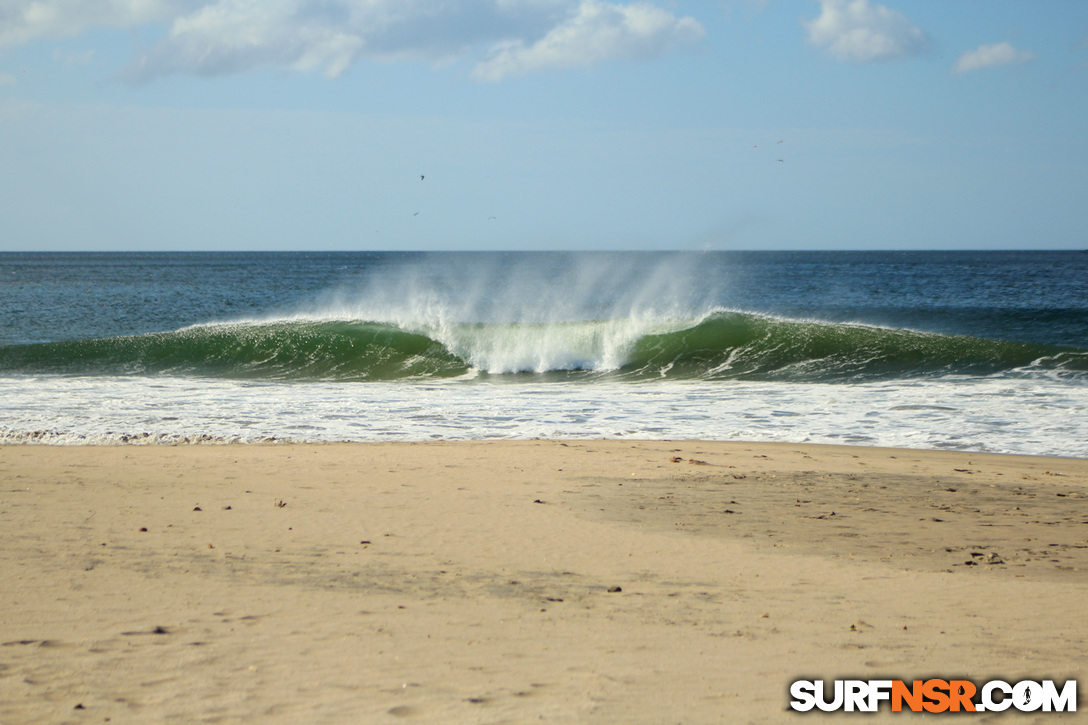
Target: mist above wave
528	313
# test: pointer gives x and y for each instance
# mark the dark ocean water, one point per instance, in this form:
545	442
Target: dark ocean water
925	324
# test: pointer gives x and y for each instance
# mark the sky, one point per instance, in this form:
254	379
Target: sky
178	125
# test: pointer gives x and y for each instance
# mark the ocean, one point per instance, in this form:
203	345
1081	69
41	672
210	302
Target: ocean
977	351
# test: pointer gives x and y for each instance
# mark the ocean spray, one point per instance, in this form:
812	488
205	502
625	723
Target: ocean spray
528	313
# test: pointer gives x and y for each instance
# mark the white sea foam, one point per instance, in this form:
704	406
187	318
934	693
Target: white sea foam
1007	415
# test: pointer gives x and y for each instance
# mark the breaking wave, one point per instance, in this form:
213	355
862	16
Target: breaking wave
721	345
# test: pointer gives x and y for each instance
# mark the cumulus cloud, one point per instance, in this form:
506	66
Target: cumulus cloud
231	36
22	21
597	31
854	30
989	56
216	37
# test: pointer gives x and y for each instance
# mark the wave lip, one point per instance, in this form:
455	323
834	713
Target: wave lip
721	345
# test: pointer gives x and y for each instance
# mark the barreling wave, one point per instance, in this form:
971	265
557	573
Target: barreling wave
719	346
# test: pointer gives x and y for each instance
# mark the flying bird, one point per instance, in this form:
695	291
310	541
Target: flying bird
421	177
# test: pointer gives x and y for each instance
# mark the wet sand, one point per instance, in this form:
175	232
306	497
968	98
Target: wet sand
492	582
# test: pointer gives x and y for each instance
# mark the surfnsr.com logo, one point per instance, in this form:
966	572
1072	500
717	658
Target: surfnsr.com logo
933	695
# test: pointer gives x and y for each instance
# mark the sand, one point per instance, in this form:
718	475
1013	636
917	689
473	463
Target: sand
492	582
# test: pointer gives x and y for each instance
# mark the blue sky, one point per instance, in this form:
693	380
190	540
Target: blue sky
543	124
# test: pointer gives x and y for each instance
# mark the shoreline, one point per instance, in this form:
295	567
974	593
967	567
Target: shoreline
474	581
53	439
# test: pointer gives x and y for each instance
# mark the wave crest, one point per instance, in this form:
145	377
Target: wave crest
721	345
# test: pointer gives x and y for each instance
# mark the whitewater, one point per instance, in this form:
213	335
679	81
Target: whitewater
976	351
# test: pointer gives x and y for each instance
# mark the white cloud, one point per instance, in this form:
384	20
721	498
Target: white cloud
231	36
988	56
854	30
215	37
597	31
22	21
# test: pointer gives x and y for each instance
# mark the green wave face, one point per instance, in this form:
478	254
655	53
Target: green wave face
283	350
720	346
753	347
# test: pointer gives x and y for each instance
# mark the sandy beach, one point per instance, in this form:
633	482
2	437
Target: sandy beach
507	582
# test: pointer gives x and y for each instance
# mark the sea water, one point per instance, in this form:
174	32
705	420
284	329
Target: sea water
982	351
